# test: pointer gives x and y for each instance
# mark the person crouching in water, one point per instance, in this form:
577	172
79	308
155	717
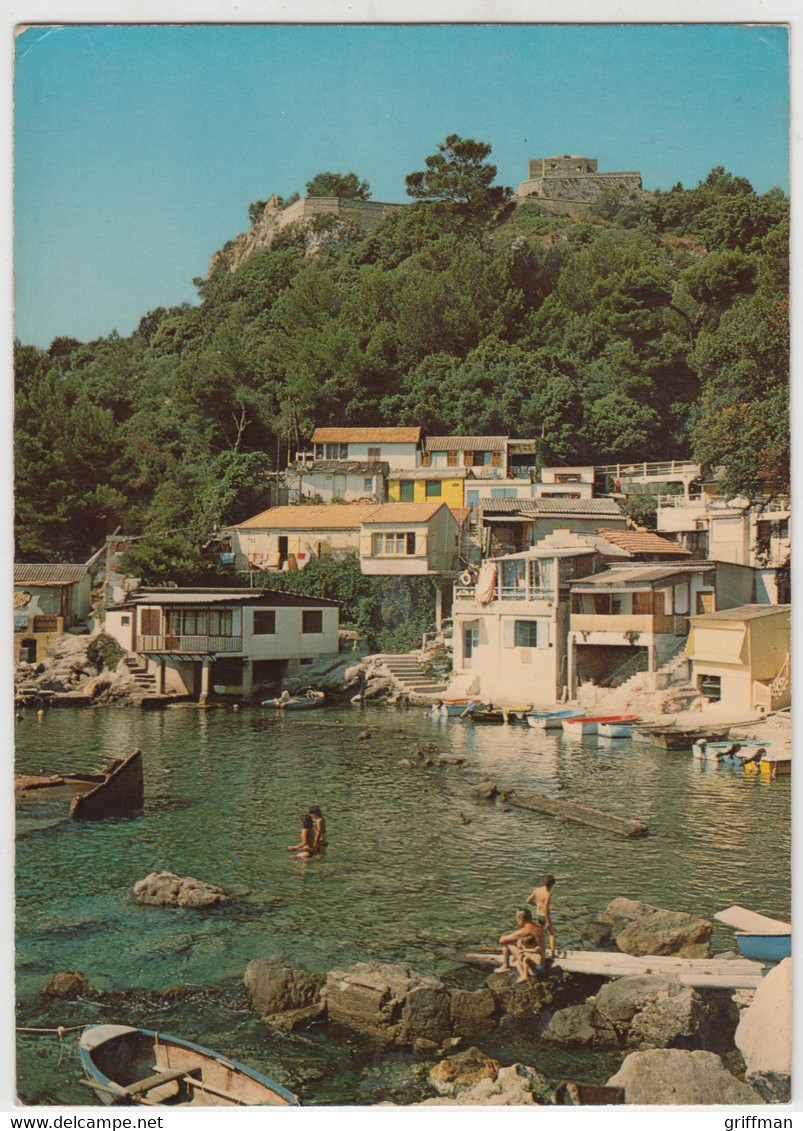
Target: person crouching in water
526	946
319	829
306	845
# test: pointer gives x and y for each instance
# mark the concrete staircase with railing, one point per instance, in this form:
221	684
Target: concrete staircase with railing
408	674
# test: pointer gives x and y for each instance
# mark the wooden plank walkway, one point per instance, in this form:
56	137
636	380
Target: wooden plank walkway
743	920
735	973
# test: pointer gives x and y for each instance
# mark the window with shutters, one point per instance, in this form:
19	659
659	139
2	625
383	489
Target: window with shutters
451	459
150	622
374	455
394	544
642	604
526	634
434	489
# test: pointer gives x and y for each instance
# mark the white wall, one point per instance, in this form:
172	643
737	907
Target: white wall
397	456
507	673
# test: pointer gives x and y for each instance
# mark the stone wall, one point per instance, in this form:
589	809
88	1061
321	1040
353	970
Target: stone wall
580	188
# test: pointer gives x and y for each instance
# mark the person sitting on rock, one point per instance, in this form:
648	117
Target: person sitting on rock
526	946
306	845
541	898
319	828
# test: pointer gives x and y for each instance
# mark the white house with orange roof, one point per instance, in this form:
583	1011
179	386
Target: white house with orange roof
397	447
389	538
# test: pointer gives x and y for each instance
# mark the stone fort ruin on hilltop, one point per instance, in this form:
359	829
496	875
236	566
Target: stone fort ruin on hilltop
565	183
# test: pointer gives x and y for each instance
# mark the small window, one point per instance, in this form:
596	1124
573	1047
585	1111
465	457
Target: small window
344	451
434	489
410	537
374	455
125	620
504	493
406	491
368	483
312	621
526	634
320	451
451	459
264	622
711	687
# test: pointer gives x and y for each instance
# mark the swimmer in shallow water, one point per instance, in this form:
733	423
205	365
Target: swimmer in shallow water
306	845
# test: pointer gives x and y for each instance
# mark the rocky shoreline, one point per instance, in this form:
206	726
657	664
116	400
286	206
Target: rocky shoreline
678	1045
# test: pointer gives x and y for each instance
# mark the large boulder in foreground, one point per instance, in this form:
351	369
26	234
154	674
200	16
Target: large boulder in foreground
277	987
458	1073
640	929
677	1076
764	1035
389	1001
166	889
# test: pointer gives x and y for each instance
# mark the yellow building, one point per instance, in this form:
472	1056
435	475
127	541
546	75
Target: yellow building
740	657
429	485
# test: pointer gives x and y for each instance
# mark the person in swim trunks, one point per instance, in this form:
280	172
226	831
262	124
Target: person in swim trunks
526	946
541	897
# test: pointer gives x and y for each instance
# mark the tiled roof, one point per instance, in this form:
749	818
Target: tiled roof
461	514
432	473
56	573
331	516
744	612
404	512
642	542
366	435
465	443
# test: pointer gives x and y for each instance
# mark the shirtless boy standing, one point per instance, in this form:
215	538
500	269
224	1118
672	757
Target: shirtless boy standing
541	898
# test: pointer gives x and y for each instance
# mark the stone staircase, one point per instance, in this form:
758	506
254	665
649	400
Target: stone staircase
406	670
145	680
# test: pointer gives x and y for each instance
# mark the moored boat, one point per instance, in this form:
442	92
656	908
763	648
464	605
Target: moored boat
302	702
621	728
773	763
589	725
758	936
499	715
735	752
553	720
459	708
126	1065
670	737
115	791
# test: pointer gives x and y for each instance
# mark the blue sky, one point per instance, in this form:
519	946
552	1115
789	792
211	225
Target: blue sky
139	149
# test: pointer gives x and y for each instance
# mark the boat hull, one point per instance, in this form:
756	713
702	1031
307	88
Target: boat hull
614	730
460	708
128	1065
765	948
675	738
616	726
296	703
552	720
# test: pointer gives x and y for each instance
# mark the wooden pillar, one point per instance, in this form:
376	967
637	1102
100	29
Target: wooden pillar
205	674
160	677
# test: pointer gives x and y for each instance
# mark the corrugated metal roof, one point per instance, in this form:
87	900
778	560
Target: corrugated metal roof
465	443
404	512
642	542
742	612
641	575
48	573
269	597
366	435
432	473
347	466
547	506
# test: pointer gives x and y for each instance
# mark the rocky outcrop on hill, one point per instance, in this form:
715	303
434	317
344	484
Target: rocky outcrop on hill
676	1076
764	1035
166	889
70	672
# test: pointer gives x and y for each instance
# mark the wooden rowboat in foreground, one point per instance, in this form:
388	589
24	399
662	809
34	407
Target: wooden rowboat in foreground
126	1065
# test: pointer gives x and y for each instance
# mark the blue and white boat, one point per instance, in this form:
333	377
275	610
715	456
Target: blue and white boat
553	720
731	753
458	708
758	936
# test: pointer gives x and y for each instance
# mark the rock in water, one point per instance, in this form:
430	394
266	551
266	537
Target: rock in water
574	1026
166	889
472	1012
277	987
67	983
389	1001
518	1084
457	1073
642	929
764	1035
677	1076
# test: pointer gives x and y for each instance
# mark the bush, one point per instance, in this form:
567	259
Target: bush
104	652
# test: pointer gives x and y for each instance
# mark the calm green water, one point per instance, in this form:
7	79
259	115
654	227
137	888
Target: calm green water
404	878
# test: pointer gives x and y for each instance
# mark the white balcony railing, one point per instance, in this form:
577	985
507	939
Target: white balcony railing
509	593
206	644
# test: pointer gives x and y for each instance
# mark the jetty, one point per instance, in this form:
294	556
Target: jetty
581	814
701	973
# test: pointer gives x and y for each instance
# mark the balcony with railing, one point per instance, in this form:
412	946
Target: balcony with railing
208	645
509	593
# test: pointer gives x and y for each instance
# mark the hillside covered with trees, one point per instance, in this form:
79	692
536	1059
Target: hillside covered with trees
649	327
